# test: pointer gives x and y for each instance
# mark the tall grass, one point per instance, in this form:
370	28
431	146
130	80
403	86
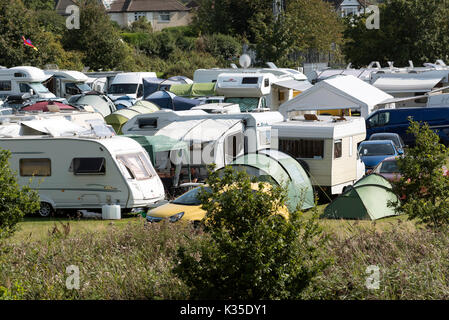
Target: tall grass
131	262
136	261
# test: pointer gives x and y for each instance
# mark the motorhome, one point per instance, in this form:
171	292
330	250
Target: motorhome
129	84
284	84
24	80
327	146
253	91
66	83
211	75
76	172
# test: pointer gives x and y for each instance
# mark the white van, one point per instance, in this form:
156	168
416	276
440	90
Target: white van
128	84
21	80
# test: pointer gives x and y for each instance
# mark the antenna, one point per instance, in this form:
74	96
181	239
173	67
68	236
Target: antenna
245	61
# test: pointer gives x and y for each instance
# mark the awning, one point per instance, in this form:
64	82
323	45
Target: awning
294	84
398	84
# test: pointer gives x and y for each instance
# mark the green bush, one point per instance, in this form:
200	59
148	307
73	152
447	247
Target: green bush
422	181
222	46
15	201
253	252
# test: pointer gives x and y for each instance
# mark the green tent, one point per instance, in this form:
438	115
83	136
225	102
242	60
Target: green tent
278	168
160	143
193	90
118	118
367	200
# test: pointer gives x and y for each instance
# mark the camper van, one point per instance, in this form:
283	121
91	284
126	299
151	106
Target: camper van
128	84
252	91
21	80
397	121
81	172
327	146
65	83
211	75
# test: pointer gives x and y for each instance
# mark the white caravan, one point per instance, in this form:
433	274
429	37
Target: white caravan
66	83
211	75
256	125
128	84
22	80
327	145
82	172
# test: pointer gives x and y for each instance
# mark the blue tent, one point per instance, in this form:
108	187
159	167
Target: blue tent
167	100
124	102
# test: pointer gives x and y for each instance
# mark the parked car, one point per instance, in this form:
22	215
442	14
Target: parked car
397	140
188	207
373	152
388	168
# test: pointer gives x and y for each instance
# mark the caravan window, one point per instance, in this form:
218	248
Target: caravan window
5	85
147	122
137	165
35	167
306	149
337	149
83	166
250	80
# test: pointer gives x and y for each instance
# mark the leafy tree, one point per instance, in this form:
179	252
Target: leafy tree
98	39
422	182
141	25
302	25
15	200
39	4
409	30
251	252
222	46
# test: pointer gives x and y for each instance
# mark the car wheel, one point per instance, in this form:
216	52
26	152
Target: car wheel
45	210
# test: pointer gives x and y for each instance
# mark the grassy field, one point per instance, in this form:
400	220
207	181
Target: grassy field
131	259
36	228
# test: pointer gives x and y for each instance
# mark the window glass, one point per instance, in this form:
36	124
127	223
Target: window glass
384	118
337	149
24	87
190	198
164	16
123	88
137	166
5	85
82	166
389	167
376	149
307	149
35	167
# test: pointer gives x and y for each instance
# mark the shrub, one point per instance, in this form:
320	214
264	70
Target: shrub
422	181
15	201
253	252
222	46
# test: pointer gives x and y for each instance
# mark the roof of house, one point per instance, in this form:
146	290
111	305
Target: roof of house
61	5
147	5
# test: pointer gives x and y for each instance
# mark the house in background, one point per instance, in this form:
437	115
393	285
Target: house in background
350	7
161	13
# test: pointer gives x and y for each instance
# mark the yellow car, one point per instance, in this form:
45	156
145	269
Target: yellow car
188	208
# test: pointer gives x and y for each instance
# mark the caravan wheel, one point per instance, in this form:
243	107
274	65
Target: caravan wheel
46	209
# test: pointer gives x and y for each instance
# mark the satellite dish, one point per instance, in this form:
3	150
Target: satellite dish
245	61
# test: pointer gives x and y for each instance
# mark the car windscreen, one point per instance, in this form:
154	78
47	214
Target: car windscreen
38	87
123	88
246	104
376	149
393	138
190	198
390	166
